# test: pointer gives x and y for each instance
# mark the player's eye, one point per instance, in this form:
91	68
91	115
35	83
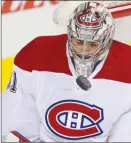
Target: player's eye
93	44
80	42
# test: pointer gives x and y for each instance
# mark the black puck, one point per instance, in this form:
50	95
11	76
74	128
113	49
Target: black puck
83	82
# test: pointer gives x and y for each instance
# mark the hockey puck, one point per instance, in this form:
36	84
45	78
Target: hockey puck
83	82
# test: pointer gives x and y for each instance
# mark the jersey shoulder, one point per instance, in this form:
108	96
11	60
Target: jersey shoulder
118	63
45	53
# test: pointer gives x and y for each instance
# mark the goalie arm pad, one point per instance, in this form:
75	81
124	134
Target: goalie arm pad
121	131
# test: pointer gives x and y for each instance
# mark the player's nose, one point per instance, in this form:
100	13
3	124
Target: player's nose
88	47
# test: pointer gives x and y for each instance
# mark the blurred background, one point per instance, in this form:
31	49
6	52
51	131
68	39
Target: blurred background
24	20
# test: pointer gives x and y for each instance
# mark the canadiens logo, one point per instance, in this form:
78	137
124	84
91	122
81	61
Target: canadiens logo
74	120
89	21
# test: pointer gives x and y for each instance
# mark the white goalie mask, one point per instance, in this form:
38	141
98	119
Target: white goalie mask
90	33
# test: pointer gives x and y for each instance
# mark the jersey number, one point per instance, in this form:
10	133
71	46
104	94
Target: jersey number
12	84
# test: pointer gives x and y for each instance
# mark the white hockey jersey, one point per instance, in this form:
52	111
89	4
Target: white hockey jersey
43	102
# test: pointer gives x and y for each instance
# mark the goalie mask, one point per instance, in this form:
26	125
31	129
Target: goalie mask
90	32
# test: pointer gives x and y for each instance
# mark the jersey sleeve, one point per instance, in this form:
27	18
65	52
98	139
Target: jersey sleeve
19	111
121	131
